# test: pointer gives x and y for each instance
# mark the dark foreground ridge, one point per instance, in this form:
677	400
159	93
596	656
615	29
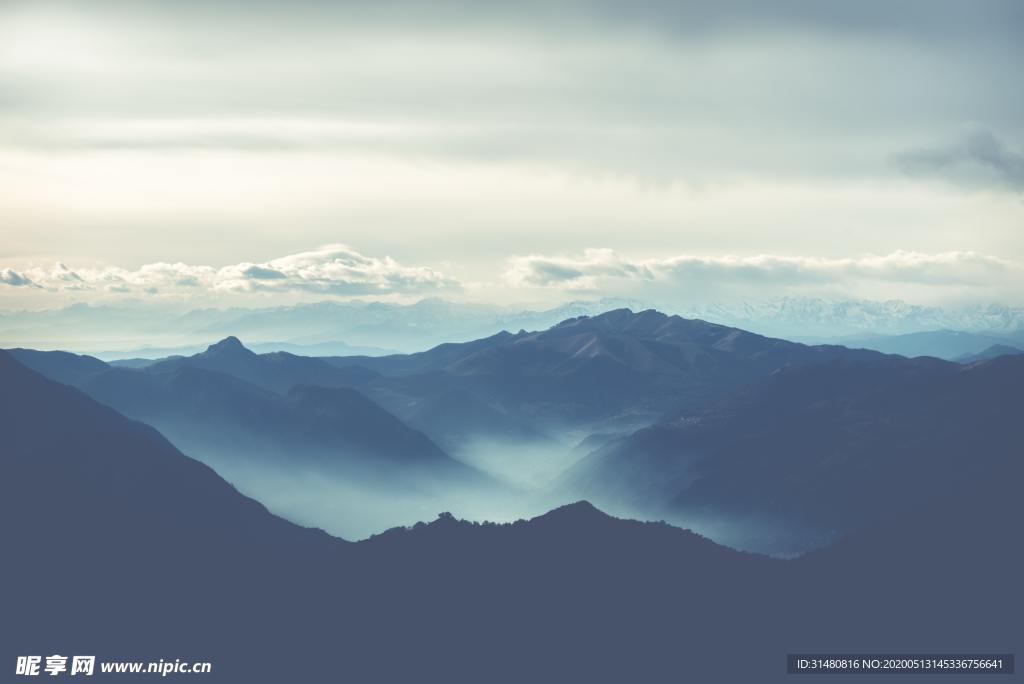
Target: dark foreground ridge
119	545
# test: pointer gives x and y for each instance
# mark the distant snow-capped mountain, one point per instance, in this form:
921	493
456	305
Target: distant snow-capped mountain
807	318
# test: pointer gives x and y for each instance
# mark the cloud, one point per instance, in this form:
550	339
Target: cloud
977	159
332	269
578	273
15	279
660	89
261	273
600	269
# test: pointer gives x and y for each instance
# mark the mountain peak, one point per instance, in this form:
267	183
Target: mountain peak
228	344
991	352
614	316
617	321
576	512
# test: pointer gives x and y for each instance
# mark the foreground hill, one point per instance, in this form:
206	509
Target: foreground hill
146	554
110	521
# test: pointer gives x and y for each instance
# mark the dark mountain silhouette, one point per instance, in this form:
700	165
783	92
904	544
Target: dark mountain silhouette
825	447
144	553
65	367
616	370
55	436
996	350
217	416
884	579
104	510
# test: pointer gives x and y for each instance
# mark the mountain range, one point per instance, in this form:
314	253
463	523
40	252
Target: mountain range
762	443
114	331
230	405
811	319
149	330
137	547
950	345
618	370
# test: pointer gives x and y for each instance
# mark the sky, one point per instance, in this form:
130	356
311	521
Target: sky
226	153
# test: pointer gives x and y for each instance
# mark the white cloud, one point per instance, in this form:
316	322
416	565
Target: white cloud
606	270
15	279
334	269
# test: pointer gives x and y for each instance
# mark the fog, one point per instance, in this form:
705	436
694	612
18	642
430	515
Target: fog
356	510
355	503
356	496
528	466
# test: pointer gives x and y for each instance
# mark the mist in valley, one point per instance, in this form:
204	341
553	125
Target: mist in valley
522	482
356	504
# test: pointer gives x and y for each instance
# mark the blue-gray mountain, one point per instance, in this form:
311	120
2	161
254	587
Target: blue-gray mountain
818	449
993	352
764	443
951	345
228	403
616	371
315	328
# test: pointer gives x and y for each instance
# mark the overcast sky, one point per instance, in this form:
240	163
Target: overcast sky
228	152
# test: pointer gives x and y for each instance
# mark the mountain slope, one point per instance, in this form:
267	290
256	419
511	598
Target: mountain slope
49	428
65	367
995	351
819	449
109	520
221	418
942	344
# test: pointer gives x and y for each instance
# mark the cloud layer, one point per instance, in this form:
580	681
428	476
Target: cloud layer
15	279
604	269
976	159
330	270
337	270
172	134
